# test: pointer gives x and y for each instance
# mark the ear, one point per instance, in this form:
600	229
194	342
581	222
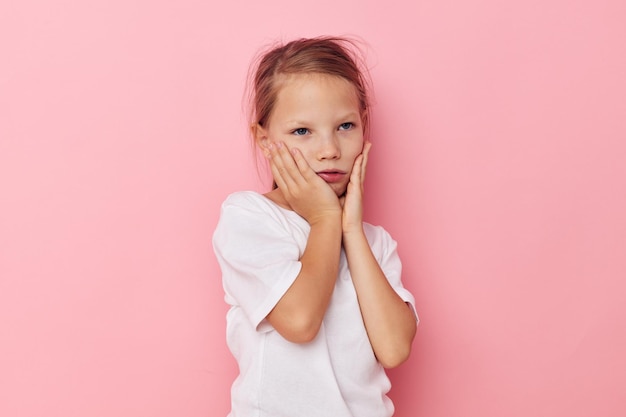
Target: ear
259	133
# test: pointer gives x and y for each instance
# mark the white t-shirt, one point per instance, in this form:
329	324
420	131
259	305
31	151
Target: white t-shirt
258	246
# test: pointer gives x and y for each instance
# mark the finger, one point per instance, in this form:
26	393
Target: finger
264	148
297	166
365	153
355	176
290	169
279	170
303	166
276	169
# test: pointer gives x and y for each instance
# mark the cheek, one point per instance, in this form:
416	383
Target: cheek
357	148
286	138
274	137
308	152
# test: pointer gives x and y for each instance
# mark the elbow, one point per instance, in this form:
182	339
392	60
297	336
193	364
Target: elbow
397	350
299	331
300	335
395	357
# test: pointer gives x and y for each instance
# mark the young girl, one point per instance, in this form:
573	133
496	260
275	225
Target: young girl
318	309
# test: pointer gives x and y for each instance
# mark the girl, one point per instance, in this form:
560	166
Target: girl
318	309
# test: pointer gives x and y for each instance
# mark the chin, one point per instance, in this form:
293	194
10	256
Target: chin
341	191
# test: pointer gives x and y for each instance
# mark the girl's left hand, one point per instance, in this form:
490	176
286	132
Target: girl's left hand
352	201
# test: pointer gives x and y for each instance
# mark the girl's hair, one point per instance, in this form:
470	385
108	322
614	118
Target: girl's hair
337	56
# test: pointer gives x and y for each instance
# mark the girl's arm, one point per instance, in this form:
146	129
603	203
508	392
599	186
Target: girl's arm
389	321
299	313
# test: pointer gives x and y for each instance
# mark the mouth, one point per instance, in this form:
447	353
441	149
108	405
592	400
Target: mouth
331	176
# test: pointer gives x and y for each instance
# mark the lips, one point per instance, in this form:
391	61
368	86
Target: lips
332	176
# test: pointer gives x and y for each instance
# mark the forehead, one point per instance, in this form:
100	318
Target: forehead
311	89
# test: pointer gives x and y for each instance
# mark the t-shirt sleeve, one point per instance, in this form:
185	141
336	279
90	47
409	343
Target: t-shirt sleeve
385	249
259	260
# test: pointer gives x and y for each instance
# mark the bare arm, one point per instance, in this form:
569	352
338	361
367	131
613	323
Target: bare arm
389	321
299	313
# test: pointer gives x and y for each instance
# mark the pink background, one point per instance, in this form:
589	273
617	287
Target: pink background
498	164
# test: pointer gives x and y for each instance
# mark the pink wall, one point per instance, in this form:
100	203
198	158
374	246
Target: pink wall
498	164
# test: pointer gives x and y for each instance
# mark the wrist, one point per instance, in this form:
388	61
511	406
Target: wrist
329	218
354	232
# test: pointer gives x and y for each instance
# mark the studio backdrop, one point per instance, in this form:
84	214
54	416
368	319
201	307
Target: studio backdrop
498	164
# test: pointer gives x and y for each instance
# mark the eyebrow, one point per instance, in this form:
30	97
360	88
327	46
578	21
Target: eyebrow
349	116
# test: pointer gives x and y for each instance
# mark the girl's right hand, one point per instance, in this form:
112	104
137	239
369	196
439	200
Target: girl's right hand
307	194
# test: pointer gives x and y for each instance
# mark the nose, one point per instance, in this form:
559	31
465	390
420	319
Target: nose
329	148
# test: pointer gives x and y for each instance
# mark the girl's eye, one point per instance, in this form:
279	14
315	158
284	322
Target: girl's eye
301	131
346	126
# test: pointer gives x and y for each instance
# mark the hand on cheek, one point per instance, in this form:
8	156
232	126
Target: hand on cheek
353	199
307	194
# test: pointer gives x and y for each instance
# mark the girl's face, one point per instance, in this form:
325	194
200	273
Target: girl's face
318	114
